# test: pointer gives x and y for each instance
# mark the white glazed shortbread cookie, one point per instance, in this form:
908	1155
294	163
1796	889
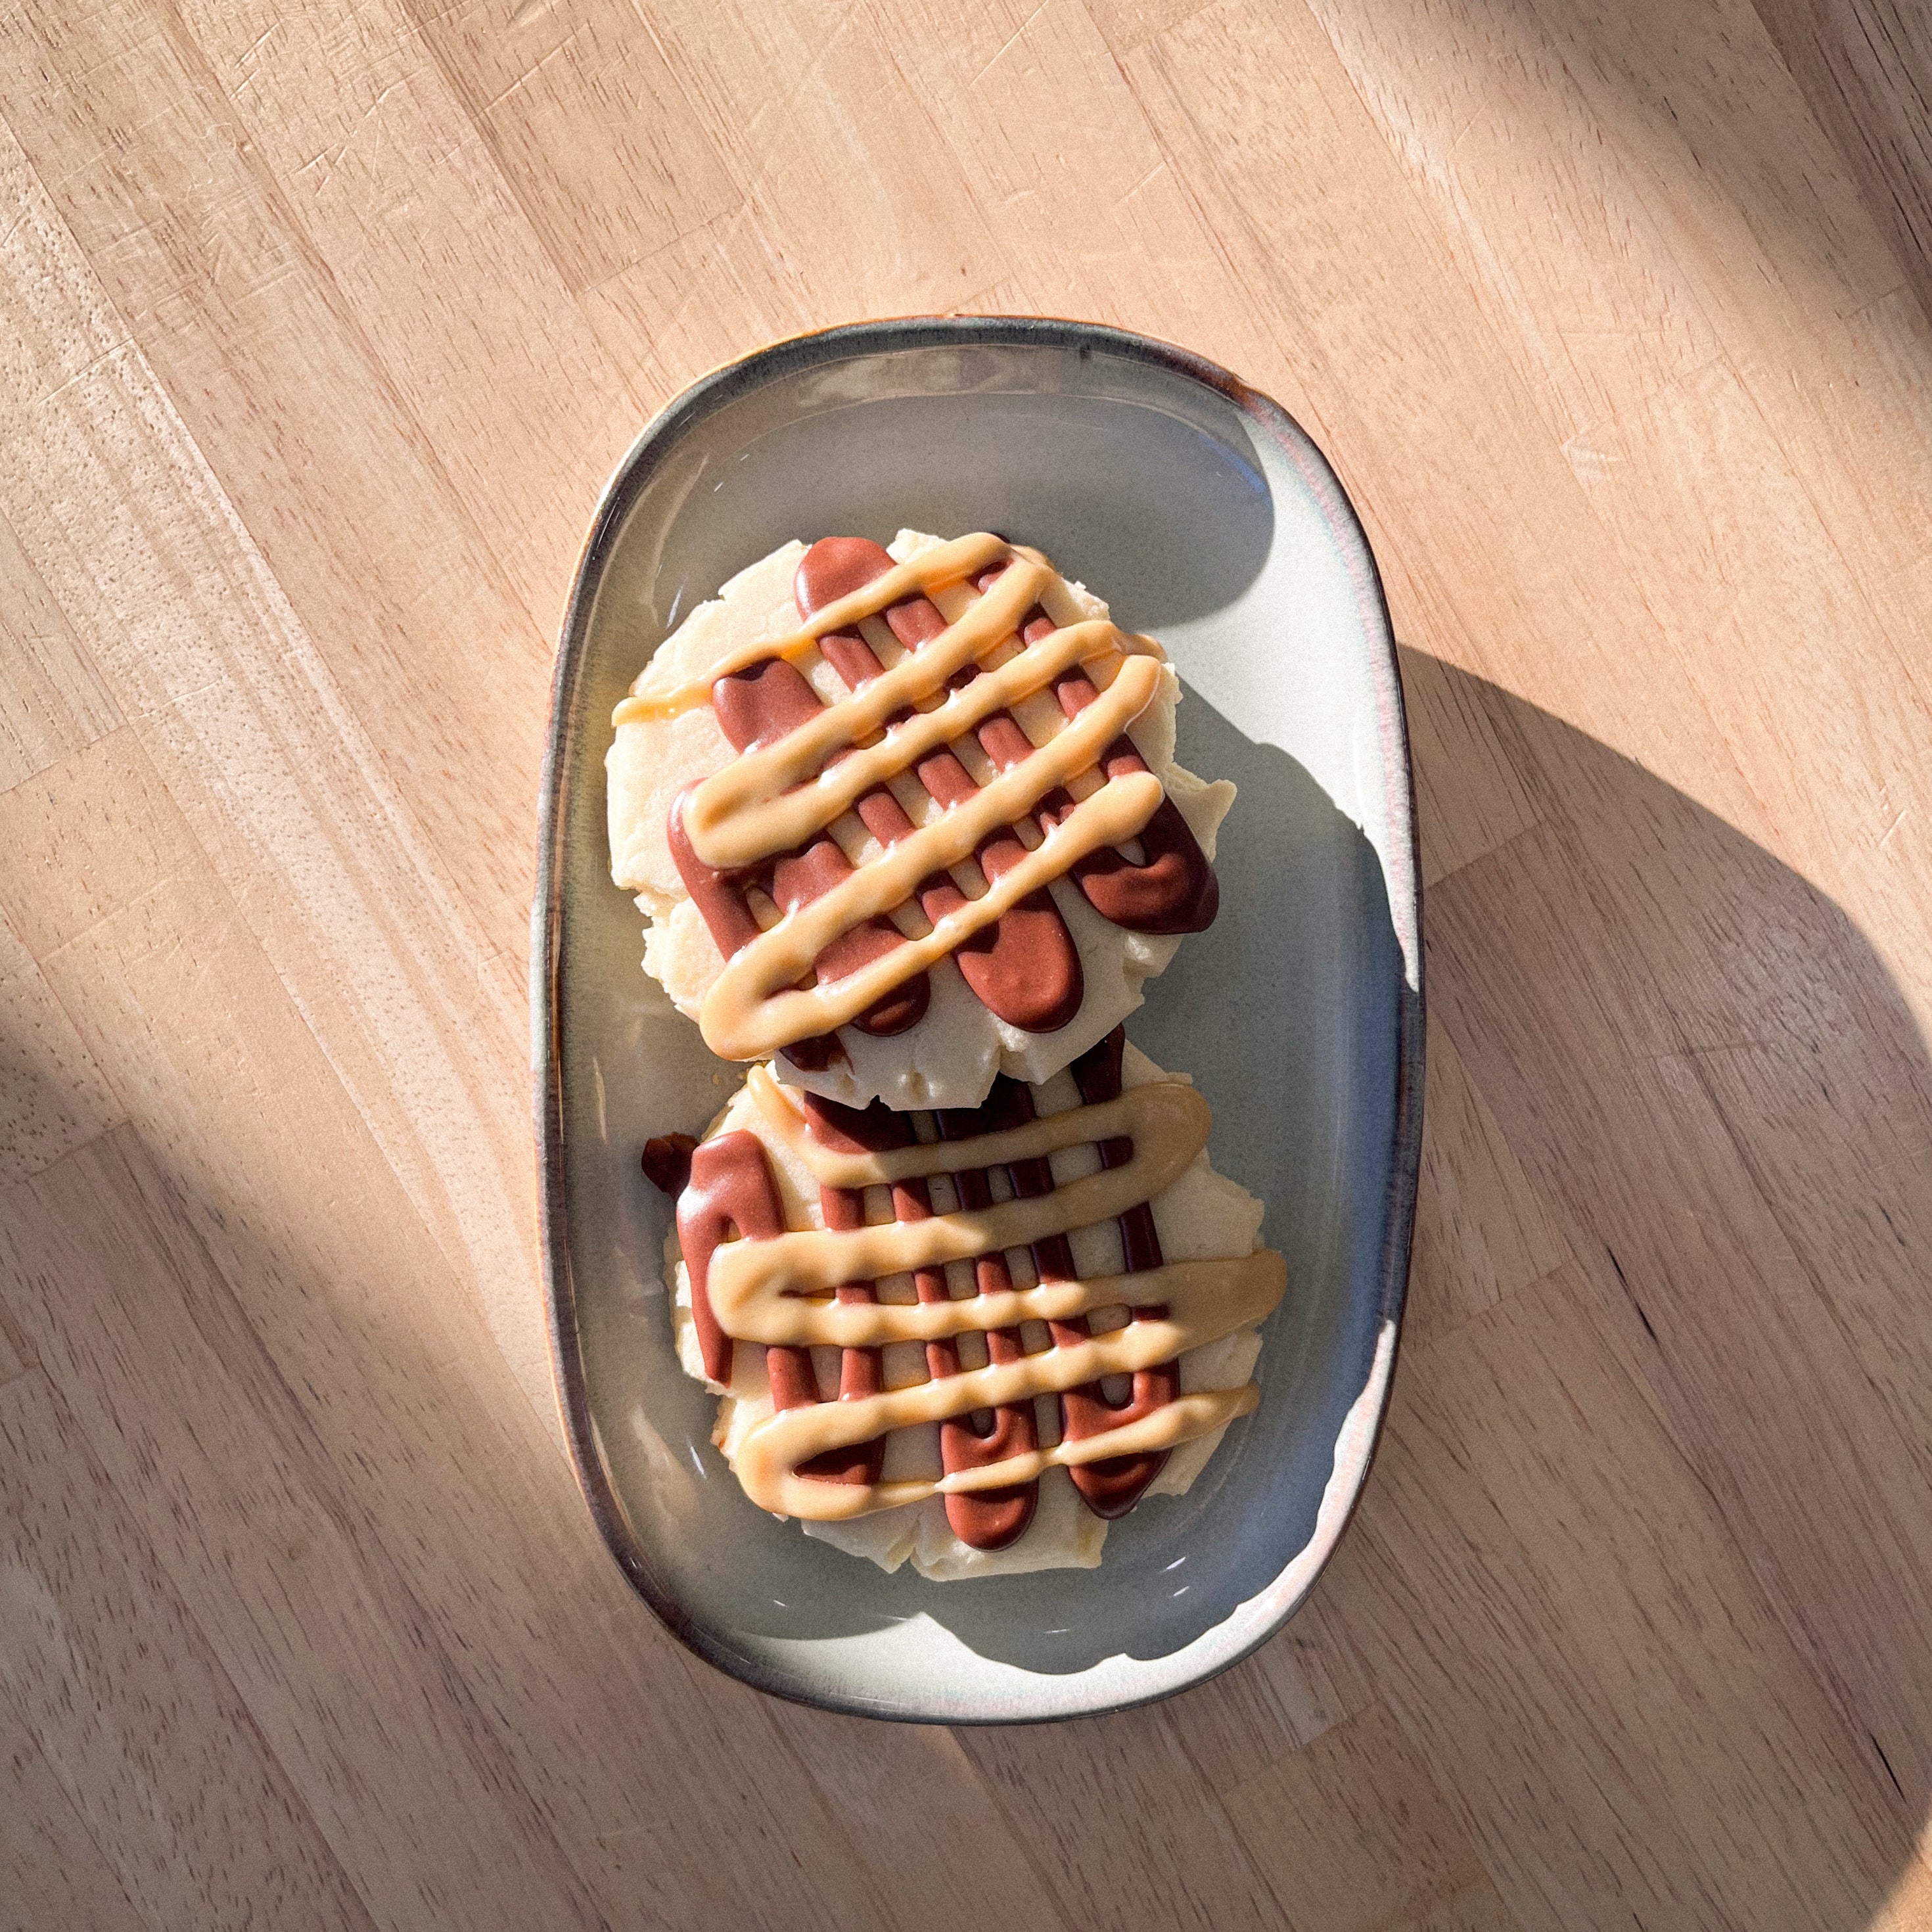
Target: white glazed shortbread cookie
1196	1247
950	1055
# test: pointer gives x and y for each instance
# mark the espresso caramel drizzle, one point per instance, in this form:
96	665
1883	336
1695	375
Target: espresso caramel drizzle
790	1289
835	956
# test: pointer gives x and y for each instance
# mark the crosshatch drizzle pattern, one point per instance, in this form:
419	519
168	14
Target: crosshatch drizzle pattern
1105	1347
965	870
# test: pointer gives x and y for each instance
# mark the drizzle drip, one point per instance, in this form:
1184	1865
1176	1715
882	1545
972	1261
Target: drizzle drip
789	1289
666	1161
834	955
729	1196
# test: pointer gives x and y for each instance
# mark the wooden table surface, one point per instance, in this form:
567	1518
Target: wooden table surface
320	326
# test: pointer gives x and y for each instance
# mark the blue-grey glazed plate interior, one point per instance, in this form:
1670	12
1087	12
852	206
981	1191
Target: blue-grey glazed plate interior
1205	516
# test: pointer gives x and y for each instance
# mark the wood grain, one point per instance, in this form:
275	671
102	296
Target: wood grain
51	1872
322	325
137	1721
1400	1859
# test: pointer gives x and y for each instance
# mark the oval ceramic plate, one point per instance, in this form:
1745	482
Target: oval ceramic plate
1204	515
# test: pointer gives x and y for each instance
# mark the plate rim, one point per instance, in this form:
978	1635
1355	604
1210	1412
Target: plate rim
711	391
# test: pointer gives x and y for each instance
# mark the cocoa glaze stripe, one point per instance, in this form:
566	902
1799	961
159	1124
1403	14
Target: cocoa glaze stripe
753	707
861	1371
730	1193
1171	888
1112	1487
1023	967
1017	954
983	1519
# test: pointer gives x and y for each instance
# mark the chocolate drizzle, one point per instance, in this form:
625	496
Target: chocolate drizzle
1024	966
753	707
1171	888
1015	951
666	1161
1112	1487
986	1519
730	1192
733	1192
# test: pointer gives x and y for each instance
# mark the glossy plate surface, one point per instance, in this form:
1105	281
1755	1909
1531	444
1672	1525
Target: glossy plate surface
1205	516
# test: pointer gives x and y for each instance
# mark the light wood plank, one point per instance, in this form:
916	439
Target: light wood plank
1573	1047
848	202
1090	212
1477	784
1553	233
1481	1231
139	1723
1908	1908
1757	207
1570	1665
248	728
380	165
347	508
1125	25
1354	1835
588	121
1841	1154
51	1872
1752	584
1179	1865
914	1796
142	945
51	699
52	1095
1866	68
334	1668
17	1353
1900	600
1269	1707
1849	402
